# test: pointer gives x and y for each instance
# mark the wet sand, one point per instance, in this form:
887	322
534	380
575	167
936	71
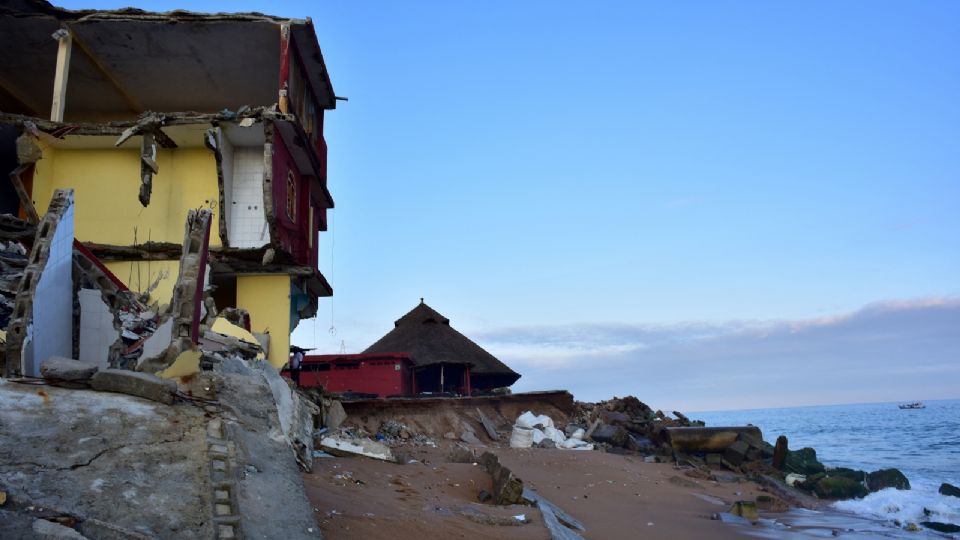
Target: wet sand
615	496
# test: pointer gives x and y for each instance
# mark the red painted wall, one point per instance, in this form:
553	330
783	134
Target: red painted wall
381	374
294	234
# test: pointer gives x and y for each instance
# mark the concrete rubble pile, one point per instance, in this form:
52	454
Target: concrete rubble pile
394	433
626	425
382	445
13	260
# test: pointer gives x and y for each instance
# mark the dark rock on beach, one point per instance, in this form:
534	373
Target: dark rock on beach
839	487
852	474
941	527
811	481
780	452
887	478
803	461
949	490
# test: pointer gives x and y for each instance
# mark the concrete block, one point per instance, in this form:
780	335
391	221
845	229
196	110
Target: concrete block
135	383
58	368
507	488
613	435
736	453
707	439
333	414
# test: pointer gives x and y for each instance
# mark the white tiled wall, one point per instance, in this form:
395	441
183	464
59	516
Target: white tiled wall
52	331
247	226
96	329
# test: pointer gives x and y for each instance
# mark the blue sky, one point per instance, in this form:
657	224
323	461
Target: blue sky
558	165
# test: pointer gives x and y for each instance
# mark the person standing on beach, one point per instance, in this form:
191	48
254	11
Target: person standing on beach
295	367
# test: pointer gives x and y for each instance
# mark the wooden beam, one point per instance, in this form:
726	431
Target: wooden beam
488	425
132	102
64	51
28	207
163	139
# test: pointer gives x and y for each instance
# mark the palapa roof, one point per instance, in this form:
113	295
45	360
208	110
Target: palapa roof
429	339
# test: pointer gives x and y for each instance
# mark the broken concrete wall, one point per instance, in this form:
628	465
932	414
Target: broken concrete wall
157	343
269	489
42	324
185	307
97	332
297	415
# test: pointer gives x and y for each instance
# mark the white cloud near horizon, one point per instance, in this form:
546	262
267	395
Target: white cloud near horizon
887	351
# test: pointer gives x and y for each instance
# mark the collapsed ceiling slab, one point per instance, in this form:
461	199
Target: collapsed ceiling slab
129	59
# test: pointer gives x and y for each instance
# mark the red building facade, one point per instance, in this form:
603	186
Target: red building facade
389	374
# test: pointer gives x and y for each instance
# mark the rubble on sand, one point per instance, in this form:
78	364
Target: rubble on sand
393	433
509	489
561	525
344	444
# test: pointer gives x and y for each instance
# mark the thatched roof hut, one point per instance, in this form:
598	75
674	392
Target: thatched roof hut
428	338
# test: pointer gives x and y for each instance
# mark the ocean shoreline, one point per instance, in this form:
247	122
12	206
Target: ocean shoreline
872	436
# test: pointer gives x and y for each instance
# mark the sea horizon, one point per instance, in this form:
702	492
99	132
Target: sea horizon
894	402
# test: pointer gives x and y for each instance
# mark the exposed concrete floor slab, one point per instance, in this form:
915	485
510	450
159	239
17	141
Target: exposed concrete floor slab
113	462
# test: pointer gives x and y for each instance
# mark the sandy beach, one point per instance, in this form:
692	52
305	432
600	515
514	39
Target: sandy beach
615	496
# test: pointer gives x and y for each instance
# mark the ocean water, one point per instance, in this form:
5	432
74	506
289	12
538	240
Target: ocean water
924	444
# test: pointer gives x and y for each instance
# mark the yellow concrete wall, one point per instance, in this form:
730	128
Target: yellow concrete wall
106	184
267	298
139	275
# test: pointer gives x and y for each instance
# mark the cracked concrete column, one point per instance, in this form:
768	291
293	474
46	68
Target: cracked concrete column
187	292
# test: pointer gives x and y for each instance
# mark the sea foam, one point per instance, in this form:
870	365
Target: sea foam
922	503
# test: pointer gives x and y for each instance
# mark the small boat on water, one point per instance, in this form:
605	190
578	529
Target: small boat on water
914	405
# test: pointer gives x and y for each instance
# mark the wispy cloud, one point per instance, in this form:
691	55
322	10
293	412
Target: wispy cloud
883	352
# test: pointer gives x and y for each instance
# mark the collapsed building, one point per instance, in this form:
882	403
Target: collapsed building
159	234
155	115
